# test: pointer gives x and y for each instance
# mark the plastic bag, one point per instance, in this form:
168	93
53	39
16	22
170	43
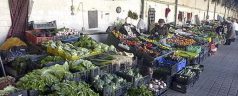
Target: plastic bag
11	42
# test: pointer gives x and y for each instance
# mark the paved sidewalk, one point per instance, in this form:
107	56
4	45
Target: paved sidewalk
220	76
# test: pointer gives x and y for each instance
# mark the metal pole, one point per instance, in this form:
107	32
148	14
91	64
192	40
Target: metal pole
3	69
176	11
215	8
142	8
208	5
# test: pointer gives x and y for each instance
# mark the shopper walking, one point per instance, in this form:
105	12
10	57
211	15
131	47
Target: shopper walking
234	30
236	26
230	33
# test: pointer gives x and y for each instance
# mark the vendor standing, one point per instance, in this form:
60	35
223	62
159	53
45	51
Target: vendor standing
160	30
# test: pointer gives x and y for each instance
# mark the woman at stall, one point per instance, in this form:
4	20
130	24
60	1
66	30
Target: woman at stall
230	33
160	30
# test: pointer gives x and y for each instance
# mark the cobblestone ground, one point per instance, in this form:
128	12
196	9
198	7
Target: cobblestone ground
220	77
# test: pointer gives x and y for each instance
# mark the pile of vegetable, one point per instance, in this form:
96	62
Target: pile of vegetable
43	79
108	81
102	59
187	72
19	64
186	54
51	59
173	58
157	85
181	41
8	90
81	65
96	47
67	51
72	88
134	73
141	91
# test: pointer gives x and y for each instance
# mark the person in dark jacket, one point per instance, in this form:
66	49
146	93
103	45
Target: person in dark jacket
220	29
161	29
230	33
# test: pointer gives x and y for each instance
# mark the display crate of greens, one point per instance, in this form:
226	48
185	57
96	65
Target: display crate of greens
83	69
186	76
110	85
10	90
72	88
42	80
197	68
47	61
111	62
18	67
139	91
134	76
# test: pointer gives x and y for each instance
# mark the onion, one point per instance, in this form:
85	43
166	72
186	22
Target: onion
156	80
162	87
151	86
156	86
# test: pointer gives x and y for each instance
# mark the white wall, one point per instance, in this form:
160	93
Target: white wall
5	20
59	10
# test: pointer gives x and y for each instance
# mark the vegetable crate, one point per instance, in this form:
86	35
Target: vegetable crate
181	87
15	73
184	79
36	40
33	93
202	56
160	75
172	66
85	75
136	82
118	92
19	93
161	92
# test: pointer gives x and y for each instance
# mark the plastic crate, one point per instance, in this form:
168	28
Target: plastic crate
12	72
80	76
172	66
135	82
70	40
183	79
19	93
118	92
43	25
105	69
94	72
161	92
180	87
33	93
36	40
159	75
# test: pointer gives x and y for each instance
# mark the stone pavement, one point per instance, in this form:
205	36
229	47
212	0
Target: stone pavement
220	76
